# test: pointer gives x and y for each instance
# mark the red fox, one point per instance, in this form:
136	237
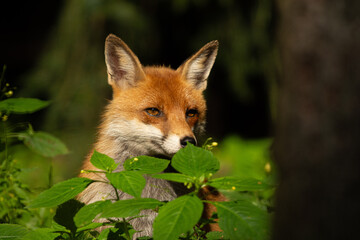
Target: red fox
155	111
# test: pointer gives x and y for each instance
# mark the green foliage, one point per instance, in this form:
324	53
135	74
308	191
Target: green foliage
129	207
22	105
103	162
248	165
245	158
43	143
130	182
178	216
146	164
175	177
239	184
14	193
241	219
12	231
60	192
87	213
195	162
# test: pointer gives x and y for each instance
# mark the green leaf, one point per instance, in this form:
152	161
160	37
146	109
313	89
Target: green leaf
194	161
243	220
43	143
177	216
175	177
129	207
146	164
238	184
90	226
59	228
60	192
41	234
22	105
128	181
87	213
103	161
12	231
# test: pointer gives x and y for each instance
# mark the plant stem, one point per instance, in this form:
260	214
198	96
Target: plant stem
126	229
116	192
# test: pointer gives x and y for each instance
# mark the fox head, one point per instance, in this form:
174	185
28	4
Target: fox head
155	110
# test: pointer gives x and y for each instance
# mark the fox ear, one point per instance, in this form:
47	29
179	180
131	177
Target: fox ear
197	68
123	67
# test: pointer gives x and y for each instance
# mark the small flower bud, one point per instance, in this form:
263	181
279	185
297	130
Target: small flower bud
214	144
9	93
267	167
233	187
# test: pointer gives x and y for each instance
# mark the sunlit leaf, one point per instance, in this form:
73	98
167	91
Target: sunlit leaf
22	105
60	193
175	177
87	213
129	207
103	161
238	184
130	182
176	217
41	234
146	164
194	161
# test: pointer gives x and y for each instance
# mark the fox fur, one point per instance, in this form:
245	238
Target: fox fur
155	111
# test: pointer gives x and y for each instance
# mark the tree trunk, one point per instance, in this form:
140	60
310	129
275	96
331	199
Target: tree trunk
317	144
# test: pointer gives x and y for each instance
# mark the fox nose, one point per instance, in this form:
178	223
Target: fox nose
185	140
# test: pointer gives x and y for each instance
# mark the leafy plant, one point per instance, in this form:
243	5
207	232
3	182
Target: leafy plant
14	194
177	219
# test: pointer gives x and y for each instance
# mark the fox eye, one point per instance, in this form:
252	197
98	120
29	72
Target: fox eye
191	113
153	112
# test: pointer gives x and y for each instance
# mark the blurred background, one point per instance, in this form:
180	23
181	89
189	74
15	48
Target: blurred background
54	51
